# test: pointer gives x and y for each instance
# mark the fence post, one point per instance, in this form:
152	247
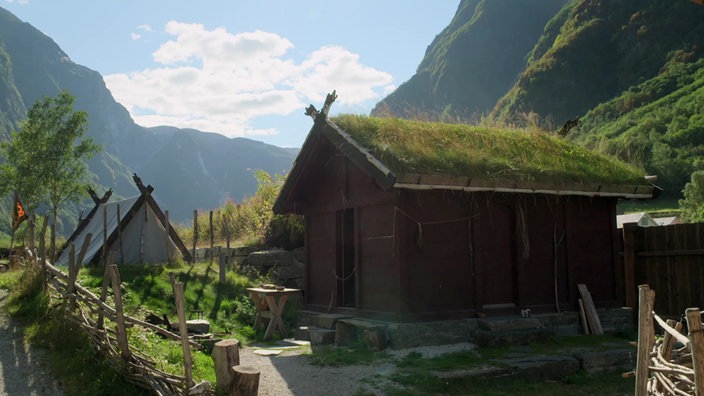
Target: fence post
42	248
223	267
104	289
195	234
121	330
181	312
696	338
212	237
71	285
167	237
645	337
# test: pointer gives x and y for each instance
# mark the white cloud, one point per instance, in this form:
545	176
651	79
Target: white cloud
135	36
219	81
145	27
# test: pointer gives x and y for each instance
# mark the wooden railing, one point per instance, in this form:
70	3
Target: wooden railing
674	363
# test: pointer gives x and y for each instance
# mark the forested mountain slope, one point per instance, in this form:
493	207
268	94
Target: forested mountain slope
632	70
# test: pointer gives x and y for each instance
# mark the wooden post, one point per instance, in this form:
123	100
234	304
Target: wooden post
245	381
195	234
629	263
645	340
225	354
227	239
104	288
183	330
592	315
105	235
120	328
223	267
30	229
212	237
71	286
694	323
52	241
167	229
42	254
119	235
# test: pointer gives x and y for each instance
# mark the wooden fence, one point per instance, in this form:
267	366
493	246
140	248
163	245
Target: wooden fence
106	325
662	366
671	260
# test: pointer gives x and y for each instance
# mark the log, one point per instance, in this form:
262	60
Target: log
245	381
225	354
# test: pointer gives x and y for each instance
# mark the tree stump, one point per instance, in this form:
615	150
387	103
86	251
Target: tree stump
246	381
225	355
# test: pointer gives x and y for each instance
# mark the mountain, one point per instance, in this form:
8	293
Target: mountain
189	169
631	70
473	61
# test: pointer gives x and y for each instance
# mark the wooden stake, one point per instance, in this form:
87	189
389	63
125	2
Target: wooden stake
212	237
183	331
694	323
120	328
42	248
167	229
195	234
645	342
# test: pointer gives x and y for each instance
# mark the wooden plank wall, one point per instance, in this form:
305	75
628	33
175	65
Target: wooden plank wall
670	259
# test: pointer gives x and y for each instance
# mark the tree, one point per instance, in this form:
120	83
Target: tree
45	161
692	205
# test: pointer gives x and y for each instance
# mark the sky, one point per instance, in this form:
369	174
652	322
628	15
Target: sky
242	68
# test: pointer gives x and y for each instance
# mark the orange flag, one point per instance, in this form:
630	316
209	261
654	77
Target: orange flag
18	213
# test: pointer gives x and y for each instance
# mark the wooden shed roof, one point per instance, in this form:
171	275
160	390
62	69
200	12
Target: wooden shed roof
427	155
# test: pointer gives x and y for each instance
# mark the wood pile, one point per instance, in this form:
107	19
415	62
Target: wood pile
672	364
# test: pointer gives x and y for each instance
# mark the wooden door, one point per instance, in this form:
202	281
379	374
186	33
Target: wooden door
497	258
346	273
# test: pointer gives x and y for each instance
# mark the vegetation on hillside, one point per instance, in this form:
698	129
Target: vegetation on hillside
252	221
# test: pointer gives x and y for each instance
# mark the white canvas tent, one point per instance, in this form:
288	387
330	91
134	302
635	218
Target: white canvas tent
138	237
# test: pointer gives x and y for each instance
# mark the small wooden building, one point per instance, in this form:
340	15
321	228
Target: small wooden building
425	221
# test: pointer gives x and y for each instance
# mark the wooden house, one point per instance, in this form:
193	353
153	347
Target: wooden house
425	221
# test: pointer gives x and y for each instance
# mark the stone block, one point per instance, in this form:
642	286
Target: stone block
327	321
609	360
320	336
542	367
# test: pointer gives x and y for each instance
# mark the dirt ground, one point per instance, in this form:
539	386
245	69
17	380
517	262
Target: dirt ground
23	370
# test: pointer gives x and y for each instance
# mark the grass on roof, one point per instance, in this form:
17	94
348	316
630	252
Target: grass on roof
524	155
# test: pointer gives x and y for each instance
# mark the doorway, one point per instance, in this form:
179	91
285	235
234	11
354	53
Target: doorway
346	268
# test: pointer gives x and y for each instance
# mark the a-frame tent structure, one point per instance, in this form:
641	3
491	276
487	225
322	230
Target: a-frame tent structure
134	228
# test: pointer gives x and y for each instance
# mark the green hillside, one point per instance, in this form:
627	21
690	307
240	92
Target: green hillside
631	70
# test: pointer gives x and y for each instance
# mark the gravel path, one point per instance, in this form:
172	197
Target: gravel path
289	373
22	369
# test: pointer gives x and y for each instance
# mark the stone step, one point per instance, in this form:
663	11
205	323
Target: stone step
508	323
302	333
487	338
320	336
327	321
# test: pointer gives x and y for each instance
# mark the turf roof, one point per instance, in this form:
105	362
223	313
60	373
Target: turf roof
458	150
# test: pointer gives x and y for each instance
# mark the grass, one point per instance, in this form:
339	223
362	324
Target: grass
525	155
147	288
415	375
